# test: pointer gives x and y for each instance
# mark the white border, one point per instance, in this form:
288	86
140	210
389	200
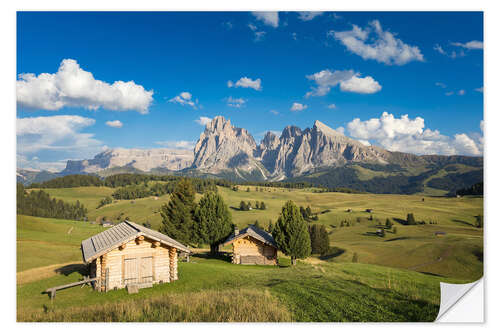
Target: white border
492	109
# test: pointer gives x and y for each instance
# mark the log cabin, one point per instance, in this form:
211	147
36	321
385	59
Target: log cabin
130	254
253	246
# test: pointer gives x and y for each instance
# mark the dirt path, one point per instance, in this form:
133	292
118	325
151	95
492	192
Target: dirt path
40	273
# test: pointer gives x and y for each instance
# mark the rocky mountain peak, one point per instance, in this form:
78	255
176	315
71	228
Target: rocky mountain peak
291	131
320	127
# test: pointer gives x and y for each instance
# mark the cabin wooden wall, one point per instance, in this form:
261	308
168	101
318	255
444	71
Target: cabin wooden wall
256	252
136	255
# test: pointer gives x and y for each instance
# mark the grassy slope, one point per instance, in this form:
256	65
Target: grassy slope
455	216
323	292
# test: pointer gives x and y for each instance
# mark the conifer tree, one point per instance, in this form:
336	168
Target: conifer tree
290	233
263	205
410	219
388	223
355	257
213	222
177	215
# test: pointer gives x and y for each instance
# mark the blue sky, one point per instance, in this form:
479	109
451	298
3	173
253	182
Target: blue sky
358	72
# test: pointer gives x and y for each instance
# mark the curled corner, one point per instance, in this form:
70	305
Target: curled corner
451	295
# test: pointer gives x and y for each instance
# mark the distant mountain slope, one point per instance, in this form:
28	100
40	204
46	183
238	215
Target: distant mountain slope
319	155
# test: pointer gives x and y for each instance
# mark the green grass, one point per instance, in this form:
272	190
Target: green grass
43	242
322	292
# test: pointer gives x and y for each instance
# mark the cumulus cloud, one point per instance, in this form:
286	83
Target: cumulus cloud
235	102
332	106
185	98
246	82
360	85
114	123
182	144
269	18
298	107
259	35
376	44
410	135
57	137
347	79
308	16
472	45
72	86
203	120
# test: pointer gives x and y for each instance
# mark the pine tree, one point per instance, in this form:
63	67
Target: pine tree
324	240
257	205
243	205
177	215
355	257
410	219
263	205
388	223
270	227
394	230
290	233
479	221
213	222
256	224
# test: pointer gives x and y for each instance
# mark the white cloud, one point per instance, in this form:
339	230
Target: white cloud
332	106
377	44
269	18
114	123
453	54
182	144
472	45
440	84
347	79
235	102
203	120
274	112
461	92
449	93
185	98
308	16
57	138
246	82
479	89
361	85
410	135
72	86
298	107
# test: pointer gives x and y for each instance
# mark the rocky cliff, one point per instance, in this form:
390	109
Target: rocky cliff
140	159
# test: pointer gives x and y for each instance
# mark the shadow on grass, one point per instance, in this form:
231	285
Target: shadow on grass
72	268
224	256
432	274
463	222
400	221
397	238
332	253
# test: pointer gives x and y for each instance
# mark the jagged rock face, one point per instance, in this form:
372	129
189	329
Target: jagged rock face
302	151
141	159
222	146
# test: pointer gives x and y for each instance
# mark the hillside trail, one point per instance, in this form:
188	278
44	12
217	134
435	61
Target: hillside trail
40	273
444	255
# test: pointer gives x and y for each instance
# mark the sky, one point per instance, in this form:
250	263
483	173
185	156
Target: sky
90	81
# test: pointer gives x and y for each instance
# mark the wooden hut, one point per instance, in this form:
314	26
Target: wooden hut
253	246
129	254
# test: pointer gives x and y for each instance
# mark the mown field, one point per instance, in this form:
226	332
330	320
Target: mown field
456	254
212	289
396	279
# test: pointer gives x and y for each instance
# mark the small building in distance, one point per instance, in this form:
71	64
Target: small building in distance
129	254
253	246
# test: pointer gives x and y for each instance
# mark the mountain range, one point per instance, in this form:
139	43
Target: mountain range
318	155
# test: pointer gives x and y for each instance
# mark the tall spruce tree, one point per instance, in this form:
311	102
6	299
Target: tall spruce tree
177	215
213	222
324	240
290	233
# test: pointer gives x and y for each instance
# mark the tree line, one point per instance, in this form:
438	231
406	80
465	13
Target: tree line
39	203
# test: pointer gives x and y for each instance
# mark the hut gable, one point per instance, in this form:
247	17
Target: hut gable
129	254
253	246
122	233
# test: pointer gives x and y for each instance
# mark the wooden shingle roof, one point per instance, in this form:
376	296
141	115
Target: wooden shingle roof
254	232
124	232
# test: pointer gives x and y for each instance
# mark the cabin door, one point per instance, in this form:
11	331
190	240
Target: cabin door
131	271
146	270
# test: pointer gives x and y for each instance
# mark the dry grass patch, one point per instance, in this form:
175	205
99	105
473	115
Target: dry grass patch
203	306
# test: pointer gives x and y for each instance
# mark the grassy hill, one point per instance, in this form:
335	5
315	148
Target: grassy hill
396	279
212	289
